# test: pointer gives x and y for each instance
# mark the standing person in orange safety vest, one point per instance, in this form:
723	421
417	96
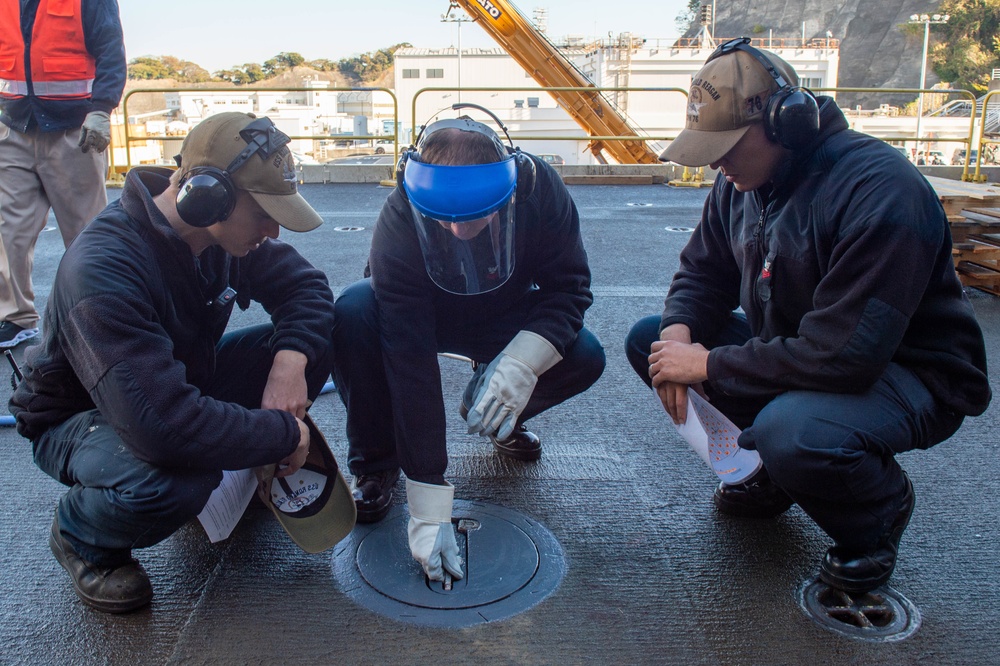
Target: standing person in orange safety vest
62	72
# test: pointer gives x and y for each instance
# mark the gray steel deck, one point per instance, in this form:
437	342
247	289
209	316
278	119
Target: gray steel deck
654	574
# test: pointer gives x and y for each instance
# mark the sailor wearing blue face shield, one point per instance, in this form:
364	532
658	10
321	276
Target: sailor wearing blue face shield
478	253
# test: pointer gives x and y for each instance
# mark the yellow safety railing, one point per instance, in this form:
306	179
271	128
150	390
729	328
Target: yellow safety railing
129	139
967	140
983	140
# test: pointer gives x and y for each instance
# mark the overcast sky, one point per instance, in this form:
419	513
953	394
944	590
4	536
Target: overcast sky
218	34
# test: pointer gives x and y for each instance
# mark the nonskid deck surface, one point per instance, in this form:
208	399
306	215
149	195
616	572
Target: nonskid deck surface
653	575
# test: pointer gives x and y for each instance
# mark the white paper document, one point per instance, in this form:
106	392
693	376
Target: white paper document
227	503
714	438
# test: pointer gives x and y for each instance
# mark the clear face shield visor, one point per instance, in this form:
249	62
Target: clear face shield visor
464	218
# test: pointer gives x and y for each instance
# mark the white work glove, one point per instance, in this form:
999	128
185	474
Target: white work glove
96	132
508	383
431	534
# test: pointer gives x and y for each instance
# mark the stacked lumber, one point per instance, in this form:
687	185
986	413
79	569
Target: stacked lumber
976	248
973	209
957	196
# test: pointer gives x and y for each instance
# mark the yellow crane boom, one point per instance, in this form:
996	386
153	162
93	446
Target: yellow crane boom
550	68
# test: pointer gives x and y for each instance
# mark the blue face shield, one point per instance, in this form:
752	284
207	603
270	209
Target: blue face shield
459	193
464	217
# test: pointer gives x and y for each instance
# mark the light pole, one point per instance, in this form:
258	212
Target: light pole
926	19
459	19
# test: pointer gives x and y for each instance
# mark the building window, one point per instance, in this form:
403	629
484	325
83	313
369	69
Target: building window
810	82
411	73
435	73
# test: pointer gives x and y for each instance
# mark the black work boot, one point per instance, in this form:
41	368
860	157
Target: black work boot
112	589
856	572
373	494
757	497
522	444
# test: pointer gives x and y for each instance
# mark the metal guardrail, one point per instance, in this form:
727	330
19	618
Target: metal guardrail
983	140
129	140
770	43
640	134
968	141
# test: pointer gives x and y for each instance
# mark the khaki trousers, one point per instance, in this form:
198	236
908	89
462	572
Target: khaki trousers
39	171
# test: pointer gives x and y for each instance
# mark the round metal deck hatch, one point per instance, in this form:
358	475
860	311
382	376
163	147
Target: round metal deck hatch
882	615
511	563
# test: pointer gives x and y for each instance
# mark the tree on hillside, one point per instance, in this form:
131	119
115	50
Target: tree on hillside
166	67
688	16
146	68
281	62
966	48
323	65
368	67
242	75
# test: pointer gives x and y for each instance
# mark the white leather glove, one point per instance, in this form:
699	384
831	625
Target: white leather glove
431	534
96	132
508	383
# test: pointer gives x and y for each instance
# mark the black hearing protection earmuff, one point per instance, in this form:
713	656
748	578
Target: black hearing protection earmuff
207	194
525	165
791	117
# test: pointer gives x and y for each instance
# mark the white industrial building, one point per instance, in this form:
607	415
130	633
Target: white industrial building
656	74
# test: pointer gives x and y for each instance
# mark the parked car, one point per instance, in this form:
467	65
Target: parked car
959	157
551	158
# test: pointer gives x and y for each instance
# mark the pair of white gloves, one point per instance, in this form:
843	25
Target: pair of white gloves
501	394
95	134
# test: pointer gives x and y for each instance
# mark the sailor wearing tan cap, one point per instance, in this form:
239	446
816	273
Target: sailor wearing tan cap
853	341
137	398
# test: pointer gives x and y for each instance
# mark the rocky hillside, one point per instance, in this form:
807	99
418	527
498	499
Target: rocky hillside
874	52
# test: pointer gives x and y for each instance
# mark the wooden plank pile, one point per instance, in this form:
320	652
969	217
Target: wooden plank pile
973	210
976	248
957	196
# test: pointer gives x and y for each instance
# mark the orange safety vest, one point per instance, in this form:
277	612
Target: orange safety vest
61	68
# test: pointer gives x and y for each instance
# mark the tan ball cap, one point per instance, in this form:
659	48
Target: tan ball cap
269	176
728	94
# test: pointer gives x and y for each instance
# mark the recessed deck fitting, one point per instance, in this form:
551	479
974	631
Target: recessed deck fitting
511	563
882	615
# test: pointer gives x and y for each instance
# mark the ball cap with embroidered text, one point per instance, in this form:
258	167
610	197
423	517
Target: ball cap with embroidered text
728	94
314	505
269	176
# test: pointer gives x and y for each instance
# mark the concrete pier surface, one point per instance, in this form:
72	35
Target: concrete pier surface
654	575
